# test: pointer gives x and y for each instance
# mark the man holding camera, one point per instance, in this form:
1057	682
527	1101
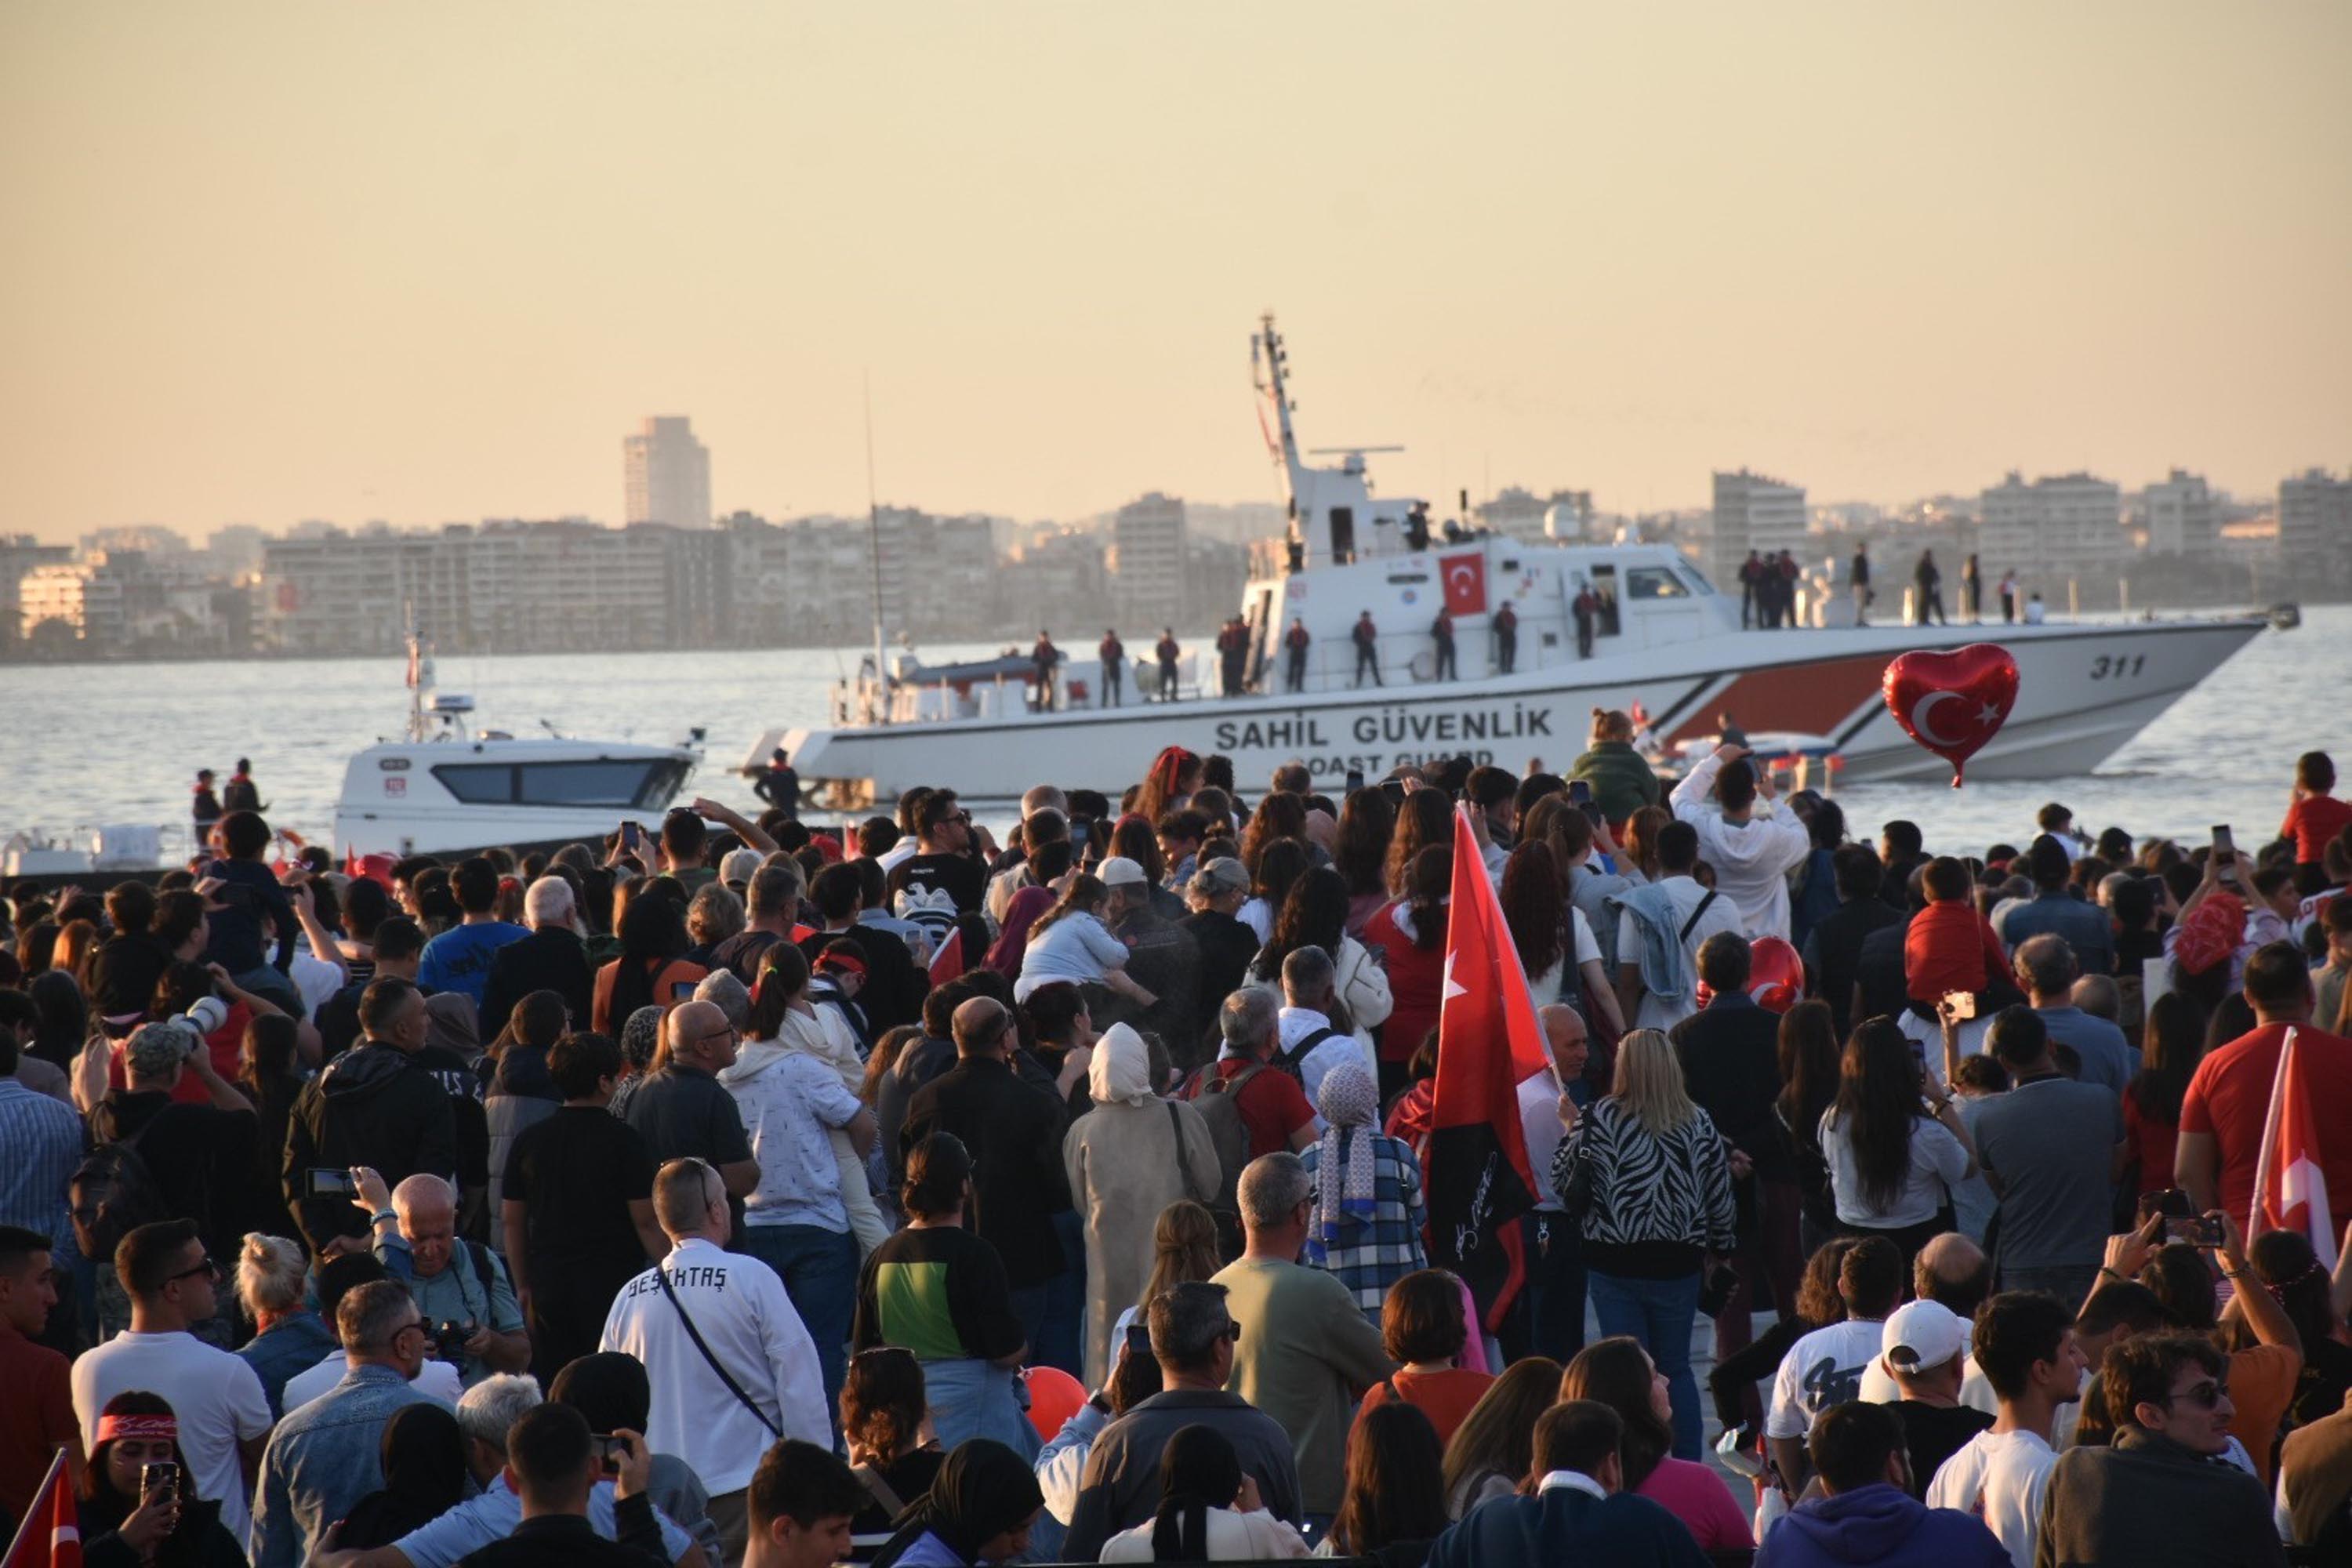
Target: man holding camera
471	1316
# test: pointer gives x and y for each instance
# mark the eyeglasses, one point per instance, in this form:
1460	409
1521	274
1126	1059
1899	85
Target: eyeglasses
731	1031
417	1323
207	1267
2206	1395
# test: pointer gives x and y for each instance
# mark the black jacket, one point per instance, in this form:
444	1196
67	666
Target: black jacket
1015	1134
1226	947
550	960
894	989
370	1106
1833	953
1730	1055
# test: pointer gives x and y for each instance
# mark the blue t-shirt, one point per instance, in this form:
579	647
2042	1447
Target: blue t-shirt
459	958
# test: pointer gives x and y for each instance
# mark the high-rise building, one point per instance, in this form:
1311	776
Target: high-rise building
666	474
1147	560
1752	512
2184	518
2058	527
2315	531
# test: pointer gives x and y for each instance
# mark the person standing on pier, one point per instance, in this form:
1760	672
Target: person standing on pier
1506	639
1113	653
1972	591
1929	581
1367	639
207	809
1751	576
2009	598
1441	633
241	794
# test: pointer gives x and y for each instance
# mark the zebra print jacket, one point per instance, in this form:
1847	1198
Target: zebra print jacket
1672	1189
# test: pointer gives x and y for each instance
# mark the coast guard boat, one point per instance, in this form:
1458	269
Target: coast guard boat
1663	638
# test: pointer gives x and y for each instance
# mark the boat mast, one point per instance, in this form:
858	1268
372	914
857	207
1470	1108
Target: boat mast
1272	363
873	530
420	674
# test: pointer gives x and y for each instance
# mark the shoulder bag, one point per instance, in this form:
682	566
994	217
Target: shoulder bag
733	1387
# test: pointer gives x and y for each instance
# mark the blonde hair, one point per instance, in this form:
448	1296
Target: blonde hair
269	1270
1612	724
1649	1083
1183	1247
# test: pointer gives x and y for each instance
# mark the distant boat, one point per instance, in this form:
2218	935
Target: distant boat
1663	638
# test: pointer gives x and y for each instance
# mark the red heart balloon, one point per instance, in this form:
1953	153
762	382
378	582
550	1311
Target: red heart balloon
1952	703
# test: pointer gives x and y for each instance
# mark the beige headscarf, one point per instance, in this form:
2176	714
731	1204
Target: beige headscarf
1121	1068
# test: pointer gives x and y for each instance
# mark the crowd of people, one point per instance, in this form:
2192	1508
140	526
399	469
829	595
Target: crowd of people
751	1194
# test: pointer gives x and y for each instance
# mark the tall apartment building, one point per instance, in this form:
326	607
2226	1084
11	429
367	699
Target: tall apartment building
116	601
666	474
2315	538
1751	513
2058	527
2184	518
1147	561
20	554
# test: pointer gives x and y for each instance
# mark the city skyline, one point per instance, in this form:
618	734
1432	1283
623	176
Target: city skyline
276	262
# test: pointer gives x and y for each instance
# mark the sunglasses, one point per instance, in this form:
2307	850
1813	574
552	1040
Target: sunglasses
207	1267
2205	1395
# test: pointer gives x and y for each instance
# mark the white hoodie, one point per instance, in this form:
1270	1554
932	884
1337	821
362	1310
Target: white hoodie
1752	859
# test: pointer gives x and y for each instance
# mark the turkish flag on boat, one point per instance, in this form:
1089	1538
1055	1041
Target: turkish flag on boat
1488	1043
1465	576
2290	1187
50	1536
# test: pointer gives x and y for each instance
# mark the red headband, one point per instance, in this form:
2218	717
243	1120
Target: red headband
164	1429
848	962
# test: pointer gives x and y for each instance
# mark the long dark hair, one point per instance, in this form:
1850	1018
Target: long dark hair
64	1021
1877	1107
1425	817
882	1401
1279	814
1616	1372
784	974
1359	848
1273	869
1314	915
1396	1482
2170	1048
1132	836
1429	882
653	932
1198	1471
1534	907
1809	1067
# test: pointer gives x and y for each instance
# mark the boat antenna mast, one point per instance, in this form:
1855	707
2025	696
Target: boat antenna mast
420	674
873	530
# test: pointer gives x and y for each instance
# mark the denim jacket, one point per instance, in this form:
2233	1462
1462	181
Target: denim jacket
290	1345
323	1459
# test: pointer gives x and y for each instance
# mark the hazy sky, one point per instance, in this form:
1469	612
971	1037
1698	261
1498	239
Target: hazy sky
430	261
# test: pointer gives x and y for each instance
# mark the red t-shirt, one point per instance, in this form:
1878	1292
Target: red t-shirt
223	1044
2311	822
1416	980
1271	1104
40	1415
2230	1096
2152	1141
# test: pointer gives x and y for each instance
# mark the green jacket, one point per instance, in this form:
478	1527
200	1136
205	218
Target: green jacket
1620	779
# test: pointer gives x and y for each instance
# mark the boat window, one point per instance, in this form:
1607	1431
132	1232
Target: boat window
622	782
1654	583
1343	535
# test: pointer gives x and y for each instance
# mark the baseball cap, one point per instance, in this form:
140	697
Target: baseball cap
1119	872
1220	877
738	867
1920	1335
156	1049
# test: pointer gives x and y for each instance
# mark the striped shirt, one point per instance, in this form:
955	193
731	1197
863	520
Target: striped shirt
44	1140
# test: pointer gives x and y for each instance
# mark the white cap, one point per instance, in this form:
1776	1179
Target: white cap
1921	1335
1119	872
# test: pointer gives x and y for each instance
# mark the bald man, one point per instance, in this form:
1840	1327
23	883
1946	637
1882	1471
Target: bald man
470	1307
1021	1193
1954	1272
684	1112
1549	1318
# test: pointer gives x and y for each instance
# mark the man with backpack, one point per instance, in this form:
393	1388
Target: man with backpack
1251	1106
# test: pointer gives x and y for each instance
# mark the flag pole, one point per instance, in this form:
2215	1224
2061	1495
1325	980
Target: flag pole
2271	1124
37	1516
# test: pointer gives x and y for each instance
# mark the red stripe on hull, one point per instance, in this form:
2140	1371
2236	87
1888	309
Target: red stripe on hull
1810	699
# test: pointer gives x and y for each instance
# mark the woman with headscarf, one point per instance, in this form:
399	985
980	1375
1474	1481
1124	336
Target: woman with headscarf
1209	1510
979	1509
423	1456
1369	1208
1127	1159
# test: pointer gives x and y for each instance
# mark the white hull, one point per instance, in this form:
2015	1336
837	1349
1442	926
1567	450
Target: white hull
2085	691
441	797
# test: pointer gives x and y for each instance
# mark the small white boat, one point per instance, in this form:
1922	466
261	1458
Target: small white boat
445	787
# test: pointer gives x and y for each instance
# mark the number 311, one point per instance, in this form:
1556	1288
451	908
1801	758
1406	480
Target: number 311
2104	667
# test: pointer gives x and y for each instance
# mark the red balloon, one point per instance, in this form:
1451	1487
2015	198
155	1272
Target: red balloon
1952	703
1054	1397
1776	976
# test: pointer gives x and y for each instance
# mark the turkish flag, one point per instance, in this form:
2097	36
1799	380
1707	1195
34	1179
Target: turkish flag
1465	577
2290	1186
1488	1043
948	962
50	1536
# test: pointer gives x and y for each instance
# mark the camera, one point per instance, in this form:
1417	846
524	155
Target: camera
205	1016
449	1337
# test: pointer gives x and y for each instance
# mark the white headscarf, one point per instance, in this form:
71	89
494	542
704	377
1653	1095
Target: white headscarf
1121	1068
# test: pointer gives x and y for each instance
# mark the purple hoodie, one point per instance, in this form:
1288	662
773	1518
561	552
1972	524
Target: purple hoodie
1881	1525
